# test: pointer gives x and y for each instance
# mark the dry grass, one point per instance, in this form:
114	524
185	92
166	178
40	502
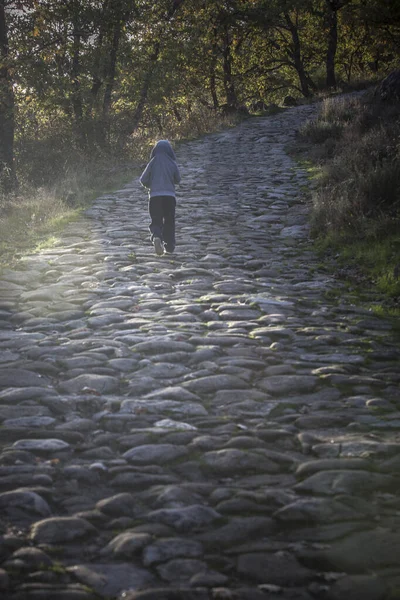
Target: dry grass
34	215
58	177
356	202
27	220
356	140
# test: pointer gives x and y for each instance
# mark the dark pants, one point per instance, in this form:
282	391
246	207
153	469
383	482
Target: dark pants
162	214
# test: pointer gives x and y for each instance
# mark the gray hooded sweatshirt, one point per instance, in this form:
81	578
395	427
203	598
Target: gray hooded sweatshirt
162	173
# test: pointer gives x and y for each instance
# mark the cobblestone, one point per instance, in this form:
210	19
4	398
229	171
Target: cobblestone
222	422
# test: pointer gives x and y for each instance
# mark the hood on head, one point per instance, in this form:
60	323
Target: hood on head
163	147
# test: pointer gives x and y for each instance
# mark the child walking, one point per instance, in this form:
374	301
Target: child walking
159	177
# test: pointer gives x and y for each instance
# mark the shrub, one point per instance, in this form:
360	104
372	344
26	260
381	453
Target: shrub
360	186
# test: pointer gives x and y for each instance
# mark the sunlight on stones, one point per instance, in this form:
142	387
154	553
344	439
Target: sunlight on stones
221	423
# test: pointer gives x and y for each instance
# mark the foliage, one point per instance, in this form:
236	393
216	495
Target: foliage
93	77
27	221
356	200
86	86
359	191
36	216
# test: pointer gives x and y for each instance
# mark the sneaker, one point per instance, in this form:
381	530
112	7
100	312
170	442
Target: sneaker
158	246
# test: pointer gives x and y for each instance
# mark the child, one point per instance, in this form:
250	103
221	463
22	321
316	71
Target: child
160	177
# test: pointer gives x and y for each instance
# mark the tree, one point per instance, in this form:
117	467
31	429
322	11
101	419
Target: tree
294	53
333	6
164	19
80	76
7	169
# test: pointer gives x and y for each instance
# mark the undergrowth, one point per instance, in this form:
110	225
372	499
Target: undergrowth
355	143
29	221
58	178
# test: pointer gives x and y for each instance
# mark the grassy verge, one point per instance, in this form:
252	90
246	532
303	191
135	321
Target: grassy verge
58	180
370	267
352	150
34	218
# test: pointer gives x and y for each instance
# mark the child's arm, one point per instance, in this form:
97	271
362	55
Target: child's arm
145	178
177	175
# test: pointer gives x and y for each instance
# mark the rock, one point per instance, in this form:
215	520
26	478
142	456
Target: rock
315	466
185	519
358	587
98	383
126	545
171	548
26	500
120	504
237	530
231	461
42	446
174	425
289	101
155	454
162	345
280	568
289	384
29	422
389	88
346	482
174	393
180	570
20	378
32	558
214	383
4	580
362	552
111	579
57	530
44	591
181	593
316	510
159	407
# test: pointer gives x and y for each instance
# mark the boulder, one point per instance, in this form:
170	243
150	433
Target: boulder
389	88
290	101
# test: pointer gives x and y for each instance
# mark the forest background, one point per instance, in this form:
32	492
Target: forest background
86	86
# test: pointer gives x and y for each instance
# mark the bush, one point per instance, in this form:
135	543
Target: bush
318	132
359	191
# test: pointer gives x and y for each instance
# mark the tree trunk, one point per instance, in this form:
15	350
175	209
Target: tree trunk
114	15
112	68
213	64
97	75
145	88
75	73
175	4
332	46
304	79
229	86
213	87
8	180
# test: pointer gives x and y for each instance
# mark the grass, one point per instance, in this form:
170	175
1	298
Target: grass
31	222
355	219
33	219
58	179
379	260
370	268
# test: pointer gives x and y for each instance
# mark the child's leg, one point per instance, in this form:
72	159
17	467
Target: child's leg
156	215
169	223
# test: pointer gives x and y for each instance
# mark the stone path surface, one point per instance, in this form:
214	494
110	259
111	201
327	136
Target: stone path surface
222	423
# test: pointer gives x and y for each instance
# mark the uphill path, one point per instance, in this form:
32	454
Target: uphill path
221	423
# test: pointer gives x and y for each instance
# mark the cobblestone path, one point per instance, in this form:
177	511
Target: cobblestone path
222	423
